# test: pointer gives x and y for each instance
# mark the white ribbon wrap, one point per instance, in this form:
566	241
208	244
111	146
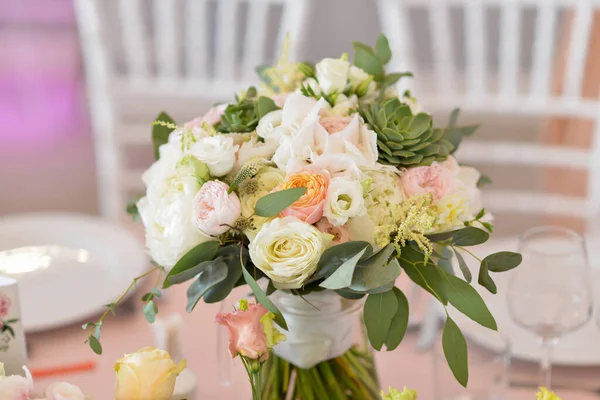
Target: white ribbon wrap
321	326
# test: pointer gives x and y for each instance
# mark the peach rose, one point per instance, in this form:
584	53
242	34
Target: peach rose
212	117
340	233
309	207
246	333
435	179
335	124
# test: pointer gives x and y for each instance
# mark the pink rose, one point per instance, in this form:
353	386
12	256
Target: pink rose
309	207
63	391
335	124
16	387
279	99
435	179
246	333
215	210
340	233
212	117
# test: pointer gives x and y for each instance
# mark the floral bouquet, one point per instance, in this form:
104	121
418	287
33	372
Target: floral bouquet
324	184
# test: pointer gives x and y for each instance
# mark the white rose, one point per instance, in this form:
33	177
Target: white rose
215	210
63	391
344	200
218	152
356	76
166	210
332	74
255	149
288	250
268	123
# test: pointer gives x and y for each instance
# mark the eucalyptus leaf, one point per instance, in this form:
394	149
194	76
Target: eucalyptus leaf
375	275
466	300
468	236
337	255
391	79
464	268
150	311
379	310
368	61
503	261
455	351
274	203
264	106
132	210
147	296
350	294
231	257
210	276
95	344
382	49
262	298
399	322
483	181
188	274
424	274
485	280
156	292
342	276
160	134
203	252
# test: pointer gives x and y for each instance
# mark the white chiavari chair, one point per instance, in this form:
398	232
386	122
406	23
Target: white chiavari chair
510	60
143	56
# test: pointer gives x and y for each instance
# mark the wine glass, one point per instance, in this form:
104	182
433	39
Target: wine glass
550	293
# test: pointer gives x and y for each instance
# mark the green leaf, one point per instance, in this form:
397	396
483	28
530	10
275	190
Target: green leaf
350	294
382	49
188	274
156	292
270	288
485	280
342	276
274	203
264	106
9	329
375	275
368	61
379	310
147	296
211	275
94	344
231	257
203	252
399	322
150	311
466	300
426	275
502	261
87	324
468	236
132	210
262	298
160	134
455	350
464	268
337	255
391	79
306	69
483	181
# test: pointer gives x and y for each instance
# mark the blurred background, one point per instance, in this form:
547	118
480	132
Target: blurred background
81	81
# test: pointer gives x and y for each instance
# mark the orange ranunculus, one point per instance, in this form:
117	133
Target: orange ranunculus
309	207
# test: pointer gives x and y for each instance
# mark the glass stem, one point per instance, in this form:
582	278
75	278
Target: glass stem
546	363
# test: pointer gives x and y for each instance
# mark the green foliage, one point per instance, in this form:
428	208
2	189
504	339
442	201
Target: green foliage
399	322
454	133
404	139
468	236
243	116
466	300
94	344
485	280
150	311
248	171
230	255
132	210
214	271
274	203
337	255
161	132
502	261
455	350
464	268
484	180
379	311
307	69
203	252
262	298
342	276
376	272
423	272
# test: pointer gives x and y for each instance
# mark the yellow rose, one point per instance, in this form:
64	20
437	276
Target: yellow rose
148	373
544	394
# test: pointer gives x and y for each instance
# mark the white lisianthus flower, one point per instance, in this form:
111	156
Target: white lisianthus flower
313	84
166	210
288	250
268	123
332	75
217	152
356	76
255	149
344	200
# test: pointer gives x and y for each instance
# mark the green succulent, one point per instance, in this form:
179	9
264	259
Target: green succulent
243	116
404	139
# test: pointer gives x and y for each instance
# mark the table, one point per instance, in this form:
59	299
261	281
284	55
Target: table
129	331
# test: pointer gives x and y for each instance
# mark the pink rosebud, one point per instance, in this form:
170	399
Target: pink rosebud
246	333
435	179
335	124
340	233
309	207
63	391
215	210
212	117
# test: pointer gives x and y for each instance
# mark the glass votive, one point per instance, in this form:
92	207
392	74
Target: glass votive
489	363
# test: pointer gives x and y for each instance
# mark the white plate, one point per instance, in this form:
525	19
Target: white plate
68	265
578	348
